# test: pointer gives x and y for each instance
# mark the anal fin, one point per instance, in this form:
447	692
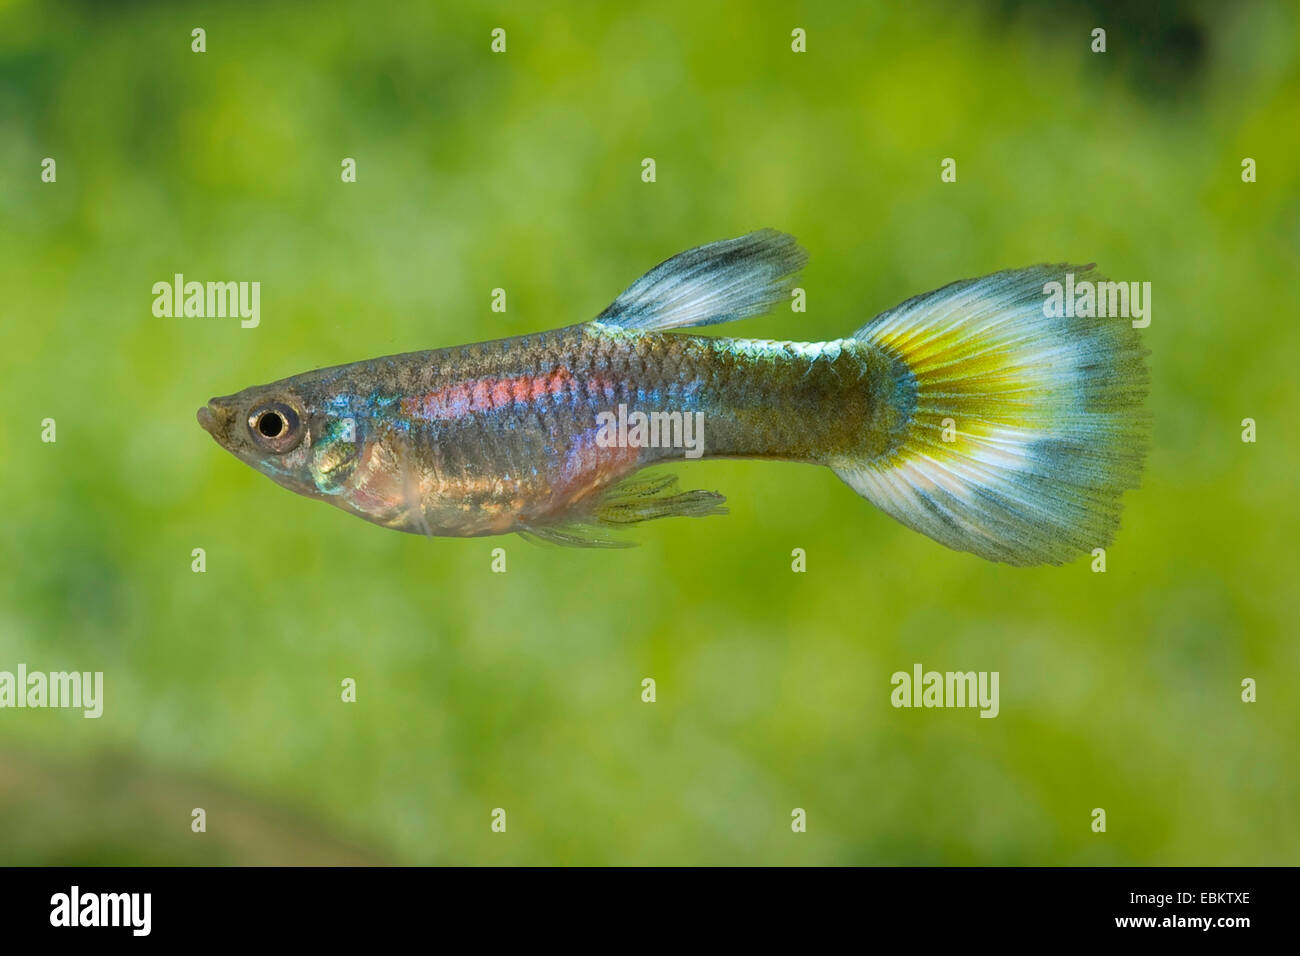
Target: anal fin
635	499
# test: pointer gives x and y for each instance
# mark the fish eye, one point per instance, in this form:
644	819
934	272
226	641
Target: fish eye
275	426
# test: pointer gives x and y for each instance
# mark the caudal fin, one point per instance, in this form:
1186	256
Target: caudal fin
1026	429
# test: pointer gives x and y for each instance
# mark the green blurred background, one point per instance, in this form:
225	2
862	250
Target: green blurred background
522	690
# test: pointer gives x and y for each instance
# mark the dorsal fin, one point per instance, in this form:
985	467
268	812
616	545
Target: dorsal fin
720	282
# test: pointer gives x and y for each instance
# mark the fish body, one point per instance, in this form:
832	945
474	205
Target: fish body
545	434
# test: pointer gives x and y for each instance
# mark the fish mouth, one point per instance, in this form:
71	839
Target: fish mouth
214	419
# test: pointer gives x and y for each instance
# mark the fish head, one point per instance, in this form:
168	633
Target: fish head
299	437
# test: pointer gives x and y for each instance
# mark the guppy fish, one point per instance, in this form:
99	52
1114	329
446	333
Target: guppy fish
968	414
